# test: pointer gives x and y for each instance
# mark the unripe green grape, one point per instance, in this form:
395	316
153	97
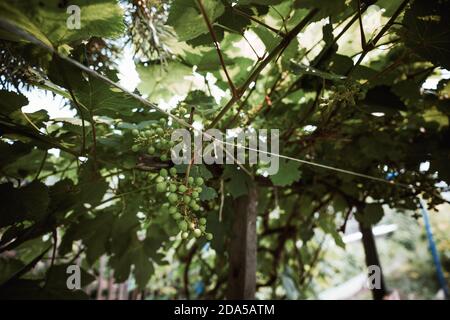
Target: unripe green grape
183	225
191	180
148	133
196	207
195	194
182	188
186	199
161	187
163	143
172	198
198	189
172	187
173	171
202	221
151	150
159	179
209	236
182	110
192	203
171	144
135	132
162	121
135	148
199	181
163	172
163	157
177	216
159	131
173	210
185	235
202	228
197	233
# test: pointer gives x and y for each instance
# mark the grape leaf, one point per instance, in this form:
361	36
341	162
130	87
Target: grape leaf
287	174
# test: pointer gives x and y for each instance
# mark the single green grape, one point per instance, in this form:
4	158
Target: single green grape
135	132
191	180
159	179
183	225
209	236
163	172
185	235
197	233
201	220
162	121
161	187
177	216
182	188
172	198
135	148
173	210
151	150
172	187
195	194
186	199
199	181
173	171
202	228
163	157
159	131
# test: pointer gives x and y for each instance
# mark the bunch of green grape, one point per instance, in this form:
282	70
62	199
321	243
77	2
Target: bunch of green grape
183	202
345	95
154	139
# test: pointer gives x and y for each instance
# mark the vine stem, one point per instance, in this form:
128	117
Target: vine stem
274	53
245	15
371	44
217	45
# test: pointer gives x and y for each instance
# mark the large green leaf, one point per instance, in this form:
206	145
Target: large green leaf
163	82
428	30
188	22
47	20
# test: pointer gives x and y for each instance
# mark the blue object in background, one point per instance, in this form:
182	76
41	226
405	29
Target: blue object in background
433	249
199	287
391	176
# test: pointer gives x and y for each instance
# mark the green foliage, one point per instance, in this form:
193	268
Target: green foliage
287	174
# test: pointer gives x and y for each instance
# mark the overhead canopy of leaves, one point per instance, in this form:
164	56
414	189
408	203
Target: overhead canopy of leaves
361	119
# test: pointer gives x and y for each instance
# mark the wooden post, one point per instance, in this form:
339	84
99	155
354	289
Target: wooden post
371	253
242	261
